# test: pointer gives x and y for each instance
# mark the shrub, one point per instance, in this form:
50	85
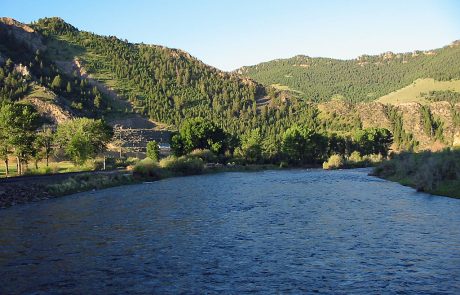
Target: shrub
334	162
147	168
373	158
424	180
425	171
355	158
204	154
96	164
183	165
385	169
125	162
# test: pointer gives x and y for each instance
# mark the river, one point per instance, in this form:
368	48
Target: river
289	232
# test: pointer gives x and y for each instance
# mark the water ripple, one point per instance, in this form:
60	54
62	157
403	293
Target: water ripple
271	232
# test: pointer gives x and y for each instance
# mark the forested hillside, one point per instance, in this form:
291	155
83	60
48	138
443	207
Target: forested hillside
25	68
53	61
363	79
165	84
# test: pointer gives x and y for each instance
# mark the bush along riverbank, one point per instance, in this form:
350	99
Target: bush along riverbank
432	172
355	160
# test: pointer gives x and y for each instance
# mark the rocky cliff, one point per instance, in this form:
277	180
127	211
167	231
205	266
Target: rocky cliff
376	114
22	33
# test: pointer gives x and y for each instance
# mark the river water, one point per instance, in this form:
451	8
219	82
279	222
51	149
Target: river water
288	232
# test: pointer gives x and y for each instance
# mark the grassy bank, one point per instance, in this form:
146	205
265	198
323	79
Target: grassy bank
87	182
437	173
146	170
195	163
188	165
52	168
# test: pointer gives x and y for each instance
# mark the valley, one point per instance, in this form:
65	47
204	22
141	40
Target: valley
230	147
151	93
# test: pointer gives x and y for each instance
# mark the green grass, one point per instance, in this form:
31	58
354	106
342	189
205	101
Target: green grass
448	188
12	169
89	181
39	92
61	49
54	167
413	92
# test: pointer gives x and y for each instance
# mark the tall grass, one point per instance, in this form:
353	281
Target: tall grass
434	172
355	160
85	182
168	167
334	162
184	165
148	168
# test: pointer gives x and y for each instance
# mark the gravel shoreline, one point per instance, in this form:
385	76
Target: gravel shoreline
27	189
21	193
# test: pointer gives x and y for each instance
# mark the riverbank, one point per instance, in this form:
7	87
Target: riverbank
26	189
33	189
22	190
435	173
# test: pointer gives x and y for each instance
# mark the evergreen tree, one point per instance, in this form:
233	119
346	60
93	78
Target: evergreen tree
68	87
153	150
57	83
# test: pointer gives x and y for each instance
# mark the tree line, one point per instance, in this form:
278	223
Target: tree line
300	145
23	137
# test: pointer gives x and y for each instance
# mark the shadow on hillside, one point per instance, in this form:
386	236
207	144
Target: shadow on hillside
63	50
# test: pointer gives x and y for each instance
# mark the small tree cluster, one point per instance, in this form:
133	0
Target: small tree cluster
83	138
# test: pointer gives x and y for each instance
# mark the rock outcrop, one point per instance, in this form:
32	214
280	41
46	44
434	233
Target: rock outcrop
49	110
375	114
22	33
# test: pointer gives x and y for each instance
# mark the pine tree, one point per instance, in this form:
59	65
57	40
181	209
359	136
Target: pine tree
69	87
57	83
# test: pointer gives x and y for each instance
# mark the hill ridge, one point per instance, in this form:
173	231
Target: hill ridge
365	78
170	86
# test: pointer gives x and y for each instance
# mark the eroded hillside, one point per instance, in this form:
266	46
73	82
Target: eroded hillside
416	125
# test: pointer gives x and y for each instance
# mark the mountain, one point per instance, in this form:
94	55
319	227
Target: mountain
133	85
147	90
364	79
164	84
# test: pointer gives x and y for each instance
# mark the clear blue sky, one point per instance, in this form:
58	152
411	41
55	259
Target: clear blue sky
231	33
